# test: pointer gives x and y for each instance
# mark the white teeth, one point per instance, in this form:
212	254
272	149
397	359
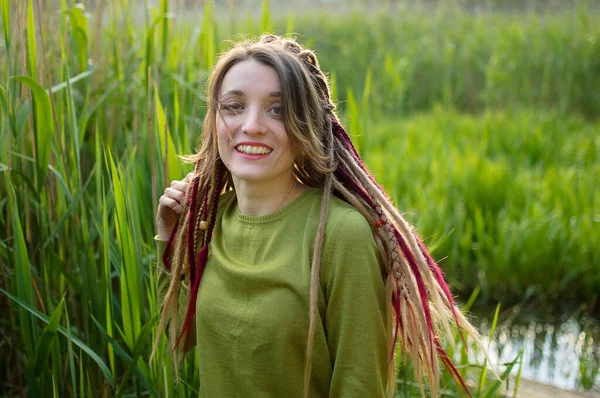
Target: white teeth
253	150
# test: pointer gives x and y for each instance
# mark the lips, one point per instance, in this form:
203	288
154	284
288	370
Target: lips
253	149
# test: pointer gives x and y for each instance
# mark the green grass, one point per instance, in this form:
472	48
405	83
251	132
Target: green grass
440	103
472	60
509	201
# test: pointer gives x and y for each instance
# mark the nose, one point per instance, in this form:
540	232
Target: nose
254	122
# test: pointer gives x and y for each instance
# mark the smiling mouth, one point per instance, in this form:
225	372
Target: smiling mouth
253	149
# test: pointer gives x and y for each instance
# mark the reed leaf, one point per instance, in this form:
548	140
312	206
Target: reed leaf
79	34
23	277
130	289
518	376
3	102
46	340
483	375
44	126
168	151
491	392
21	118
81	76
76	133
31	41
150	50
70	341
5	12
105	239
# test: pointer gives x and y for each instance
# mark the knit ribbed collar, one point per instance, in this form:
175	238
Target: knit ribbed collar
279	213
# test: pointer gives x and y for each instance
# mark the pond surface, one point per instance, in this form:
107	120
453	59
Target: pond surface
561	351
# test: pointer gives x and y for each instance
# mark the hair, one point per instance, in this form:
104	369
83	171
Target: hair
420	307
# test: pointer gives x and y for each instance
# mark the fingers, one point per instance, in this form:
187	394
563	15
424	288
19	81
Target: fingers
171	203
175	195
180	186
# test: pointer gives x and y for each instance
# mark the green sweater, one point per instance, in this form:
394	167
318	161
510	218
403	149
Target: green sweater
253	304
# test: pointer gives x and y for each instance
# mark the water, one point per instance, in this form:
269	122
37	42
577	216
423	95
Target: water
562	352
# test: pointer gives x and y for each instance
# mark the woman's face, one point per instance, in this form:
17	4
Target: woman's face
251	136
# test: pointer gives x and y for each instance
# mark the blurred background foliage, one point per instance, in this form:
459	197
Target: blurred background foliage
479	118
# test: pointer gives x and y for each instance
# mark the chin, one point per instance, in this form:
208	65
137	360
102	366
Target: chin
245	175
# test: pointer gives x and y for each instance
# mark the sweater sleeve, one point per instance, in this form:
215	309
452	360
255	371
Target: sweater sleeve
355	314
163	280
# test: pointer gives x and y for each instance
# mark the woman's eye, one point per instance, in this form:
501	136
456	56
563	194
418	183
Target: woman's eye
276	109
233	107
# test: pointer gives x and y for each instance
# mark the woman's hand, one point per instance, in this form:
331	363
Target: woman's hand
170	206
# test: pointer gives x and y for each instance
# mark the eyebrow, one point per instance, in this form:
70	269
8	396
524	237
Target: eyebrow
239	93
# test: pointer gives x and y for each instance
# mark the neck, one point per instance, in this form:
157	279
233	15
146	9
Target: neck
260	199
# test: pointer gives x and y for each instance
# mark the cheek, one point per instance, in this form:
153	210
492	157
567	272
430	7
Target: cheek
222	140
219	127
221	132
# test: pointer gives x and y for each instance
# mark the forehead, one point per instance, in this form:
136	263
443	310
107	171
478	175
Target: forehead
250	77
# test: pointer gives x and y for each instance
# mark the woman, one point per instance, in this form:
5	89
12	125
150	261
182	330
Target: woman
302	275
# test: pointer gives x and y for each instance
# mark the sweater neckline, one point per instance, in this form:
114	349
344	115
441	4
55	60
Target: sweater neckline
277	214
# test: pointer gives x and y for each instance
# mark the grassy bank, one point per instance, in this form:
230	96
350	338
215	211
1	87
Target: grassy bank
508	201
94	110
